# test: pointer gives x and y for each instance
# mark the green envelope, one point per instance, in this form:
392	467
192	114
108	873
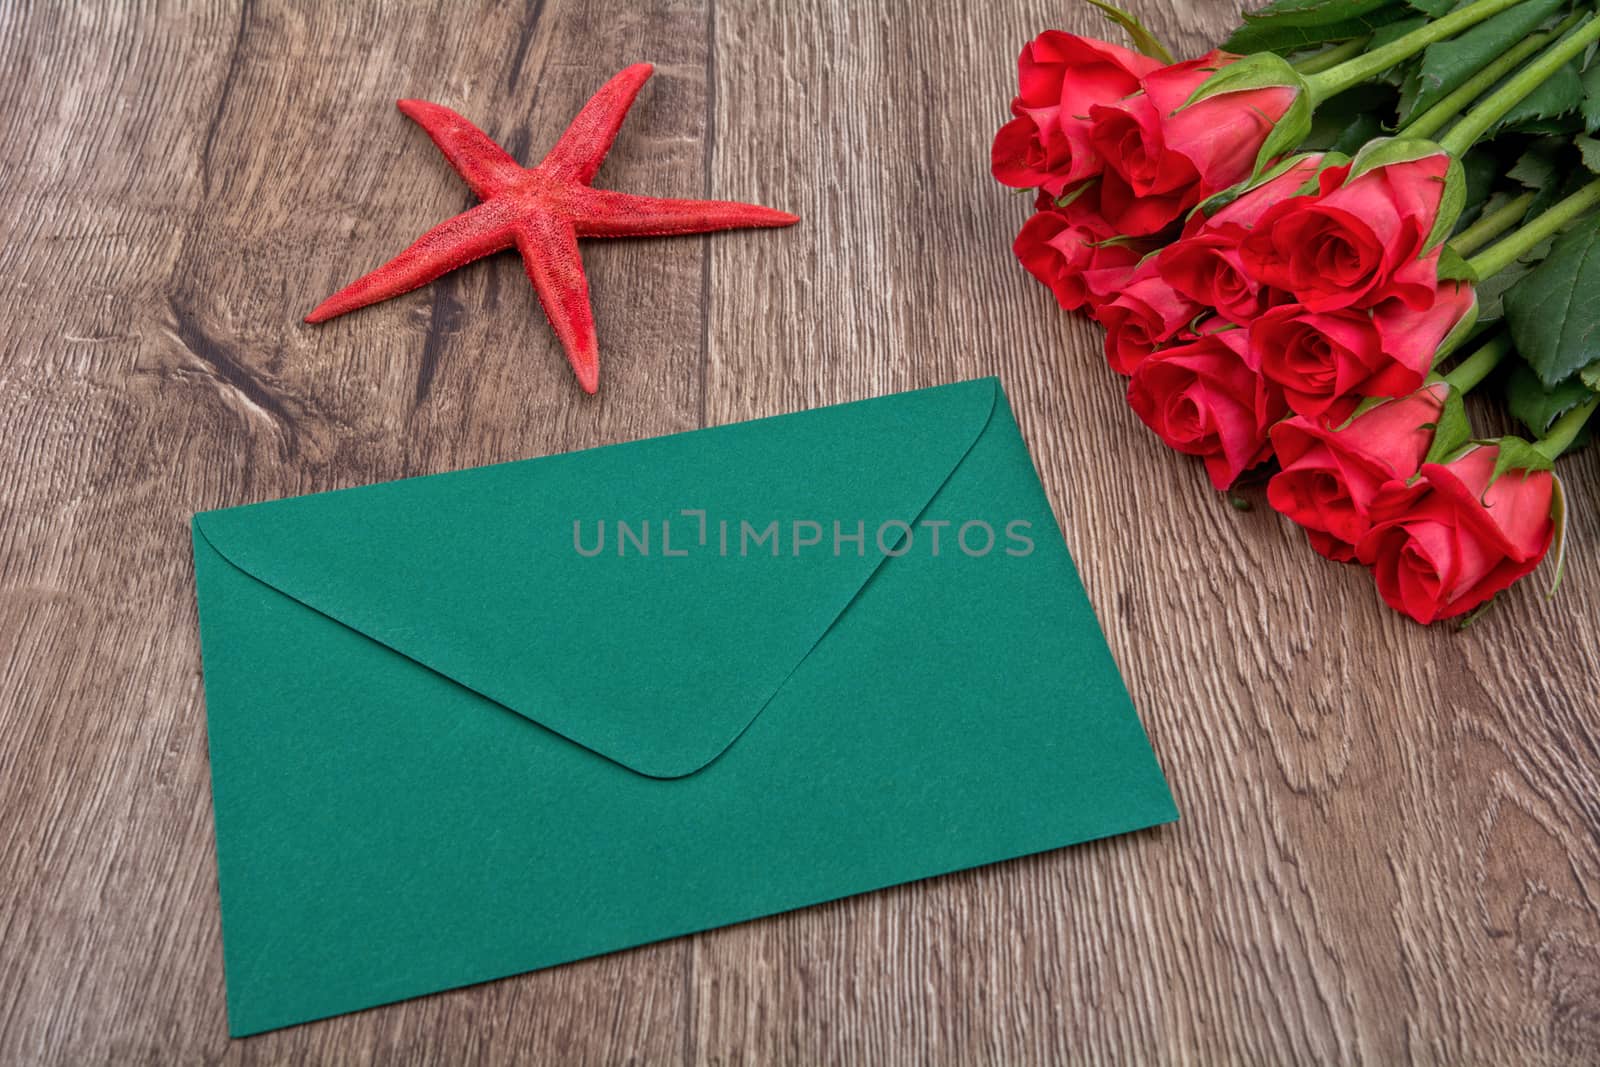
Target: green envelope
455	736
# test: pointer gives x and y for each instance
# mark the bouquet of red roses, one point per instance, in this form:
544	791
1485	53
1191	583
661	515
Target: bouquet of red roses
1291	242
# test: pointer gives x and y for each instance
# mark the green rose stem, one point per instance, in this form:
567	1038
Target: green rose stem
1337	79
1331	57
1564	430
1494	107
1491	224
1497	257
1476	367
1439	115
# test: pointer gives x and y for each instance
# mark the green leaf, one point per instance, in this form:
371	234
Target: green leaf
1492	290
1484	175
1451	201
1559	94
1143	40
1536	406
1535	167
1312	12
1296	27
1339	121
1553	312
1589	152
1591	97
1566	125
1251	72
1454	267
1287	134
1482	170
1447	64
1452	431
1517	455
1590	376
1393	31
1362	128
1389	150
1569	176
1496	201
1432	8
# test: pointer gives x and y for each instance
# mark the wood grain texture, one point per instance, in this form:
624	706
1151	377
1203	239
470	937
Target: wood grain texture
1389	848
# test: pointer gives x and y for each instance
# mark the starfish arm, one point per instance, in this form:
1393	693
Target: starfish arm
608	213
485	166
549	247
454	243
583	147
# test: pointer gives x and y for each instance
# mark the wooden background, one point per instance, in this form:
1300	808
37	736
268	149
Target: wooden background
1389	844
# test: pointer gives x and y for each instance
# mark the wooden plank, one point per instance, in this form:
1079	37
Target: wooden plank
1389	846
162	368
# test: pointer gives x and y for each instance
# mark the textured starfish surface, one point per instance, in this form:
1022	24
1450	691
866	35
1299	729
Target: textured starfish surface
542	211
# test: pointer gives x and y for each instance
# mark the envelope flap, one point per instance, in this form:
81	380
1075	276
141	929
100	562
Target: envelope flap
644	600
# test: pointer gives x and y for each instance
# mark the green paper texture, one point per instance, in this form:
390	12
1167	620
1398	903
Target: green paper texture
447	747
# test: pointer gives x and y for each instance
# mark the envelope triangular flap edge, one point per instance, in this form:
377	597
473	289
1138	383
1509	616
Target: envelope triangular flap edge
657	662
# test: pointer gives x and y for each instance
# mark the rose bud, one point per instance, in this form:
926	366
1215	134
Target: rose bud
1322	358
1061	76
1332	473
1165	152
1144	315
1458	535
1358	241
1205	264
1205	398
1076	254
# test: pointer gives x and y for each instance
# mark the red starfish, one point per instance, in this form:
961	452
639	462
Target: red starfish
543	211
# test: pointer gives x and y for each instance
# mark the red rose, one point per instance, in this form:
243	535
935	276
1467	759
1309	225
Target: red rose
1066	249
1206	264
1355	243
1316	357
1322	358
1447	543
1207	269
1145	314
1143	188
1205	398
1332	473
1163	157
1413	332
1061	76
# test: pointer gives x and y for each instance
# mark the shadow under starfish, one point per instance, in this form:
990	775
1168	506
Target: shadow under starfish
542	211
